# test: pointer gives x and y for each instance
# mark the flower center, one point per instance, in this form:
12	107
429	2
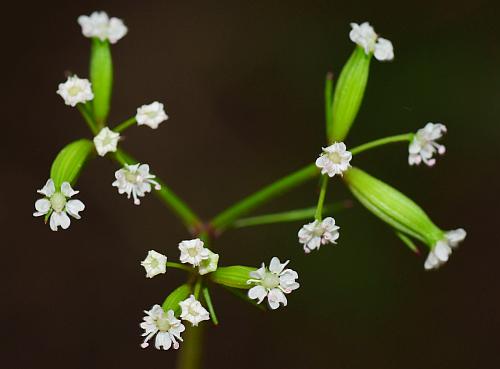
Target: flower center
270	280
163	324
193	311
74	90
192	252
58	202
335	157
131	177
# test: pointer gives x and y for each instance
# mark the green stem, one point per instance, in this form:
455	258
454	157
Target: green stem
171	264
191	349
197	288
381	141
124	125
208	300
321	200
289	216
228	216
165	194
88	118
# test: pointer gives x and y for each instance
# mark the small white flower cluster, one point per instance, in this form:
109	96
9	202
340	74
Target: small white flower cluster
167	327
75	91
441	252
273	282
164	324
424	145
99	25
151	115
135	180
317	233
57	205
334	159
193	252
364	35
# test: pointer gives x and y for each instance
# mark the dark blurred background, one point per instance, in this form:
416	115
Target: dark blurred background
243	85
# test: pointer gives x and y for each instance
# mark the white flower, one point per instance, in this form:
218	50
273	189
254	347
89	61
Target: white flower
155	263
106	141
424	145
99	25
151	115
167	328
135	180
193	252
75	90
274	283
364	35
318	233
334	159
209	265
441	251
57	205
193	311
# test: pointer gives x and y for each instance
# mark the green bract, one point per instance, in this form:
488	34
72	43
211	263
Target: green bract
70	161
101	76
233	276
348	95
392	206
176	296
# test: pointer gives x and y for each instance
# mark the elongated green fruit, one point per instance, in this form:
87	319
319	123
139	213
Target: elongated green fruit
70	161
233	276
176	296
348	95
101	76
392	206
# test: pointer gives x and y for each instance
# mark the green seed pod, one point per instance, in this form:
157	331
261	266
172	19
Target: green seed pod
176	296
70	161
233	276
392	207
101	76
348	95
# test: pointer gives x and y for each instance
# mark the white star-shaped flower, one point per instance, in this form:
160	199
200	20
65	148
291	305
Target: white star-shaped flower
318	233
151	115
193	252
209	265
75	90
155	263
106	141
334	159
135	180
165	325
441	251
364	35
272	283
56	203
424	145
193	311
99	25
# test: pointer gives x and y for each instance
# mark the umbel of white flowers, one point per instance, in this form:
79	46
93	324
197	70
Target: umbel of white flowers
317	233
273	282
56	203
334	159
364	35
441	251
75	90
423	146
135	180
151	115
106	141
99	25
